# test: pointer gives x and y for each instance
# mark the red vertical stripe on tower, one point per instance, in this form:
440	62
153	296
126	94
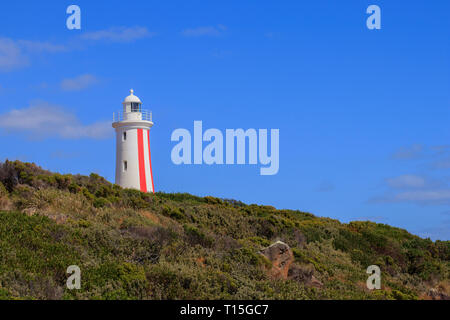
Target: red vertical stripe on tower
150	161
142	180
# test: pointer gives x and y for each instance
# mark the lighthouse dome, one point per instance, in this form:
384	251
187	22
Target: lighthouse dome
132	98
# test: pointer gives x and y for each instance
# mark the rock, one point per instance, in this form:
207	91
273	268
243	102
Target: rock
281	257
436	294
304	274
300	238
314	282
29	211
5	203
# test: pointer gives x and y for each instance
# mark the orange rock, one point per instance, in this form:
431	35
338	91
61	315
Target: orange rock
280	254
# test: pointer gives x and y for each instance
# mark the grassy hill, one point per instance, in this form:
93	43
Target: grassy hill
133	245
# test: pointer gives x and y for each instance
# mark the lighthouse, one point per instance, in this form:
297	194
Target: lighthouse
133	156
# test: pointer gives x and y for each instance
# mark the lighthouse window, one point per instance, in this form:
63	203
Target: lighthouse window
125	166
124	136
135	107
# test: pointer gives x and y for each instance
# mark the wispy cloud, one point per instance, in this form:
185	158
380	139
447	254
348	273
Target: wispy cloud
422	196
79	83
119	34
437	155
406	181
11	55
419	189
442	149
442	164
41	46
221	53
42	120
414	189
204	31
440	232
371	218
325	186
410	152
64	155
15	54
271	34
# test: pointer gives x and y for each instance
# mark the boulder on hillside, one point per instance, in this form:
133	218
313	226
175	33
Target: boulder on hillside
281	257
304	274
436	294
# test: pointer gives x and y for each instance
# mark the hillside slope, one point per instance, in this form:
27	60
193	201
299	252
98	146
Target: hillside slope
132	245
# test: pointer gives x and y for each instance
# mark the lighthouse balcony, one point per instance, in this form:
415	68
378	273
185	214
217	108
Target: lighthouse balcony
142	115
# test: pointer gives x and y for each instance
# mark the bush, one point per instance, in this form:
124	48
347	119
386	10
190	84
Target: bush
100	202
213	200
135	245
74	188
9	176
195	236
174	213
3	191
4	294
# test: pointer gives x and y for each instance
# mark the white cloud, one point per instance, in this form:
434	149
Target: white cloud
440	232
79	83
416	151
61	154
421	190
411	152
420	197
271	34
325	186
119	34
371	218
11	55
39	46
440	150
423	196
43	120
442	164
415	189
16	53
204	31
406	181
221	53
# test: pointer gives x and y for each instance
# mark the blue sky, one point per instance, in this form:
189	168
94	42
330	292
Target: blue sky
363	114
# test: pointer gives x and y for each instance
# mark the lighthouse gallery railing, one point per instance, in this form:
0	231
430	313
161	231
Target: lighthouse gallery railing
145	115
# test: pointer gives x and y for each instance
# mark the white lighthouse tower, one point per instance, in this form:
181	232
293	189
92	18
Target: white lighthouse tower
133	157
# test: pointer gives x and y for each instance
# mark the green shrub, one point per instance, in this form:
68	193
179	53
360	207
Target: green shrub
74	188
174	213
213	200
100	202
87	194
84	223
3	191
4	294
195	236
181	197
398	295
135	245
